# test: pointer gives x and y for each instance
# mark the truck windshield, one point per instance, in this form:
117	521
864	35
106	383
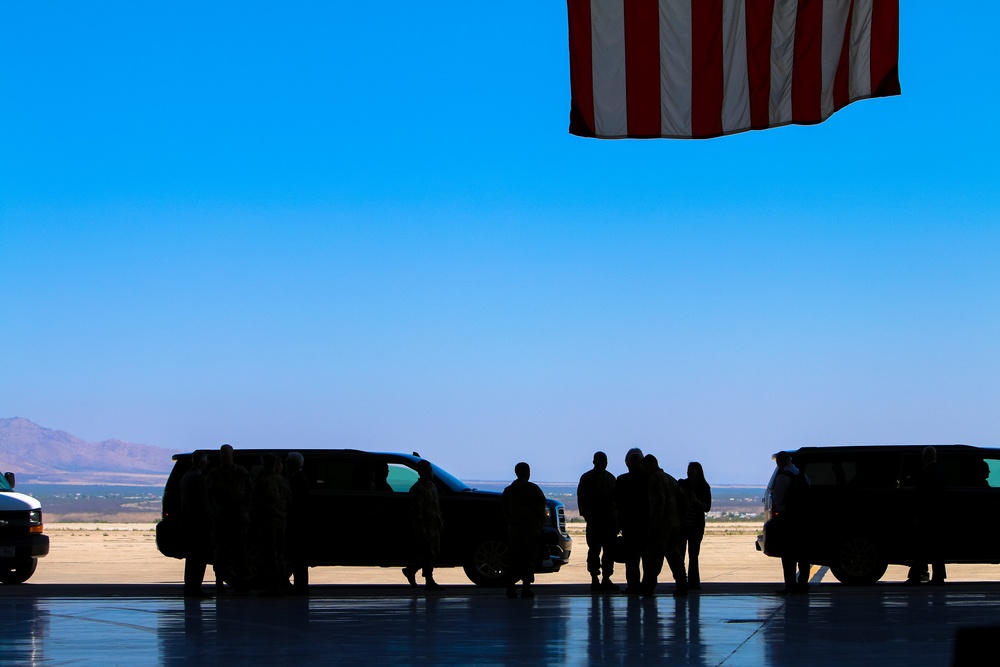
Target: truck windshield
4	486
450	481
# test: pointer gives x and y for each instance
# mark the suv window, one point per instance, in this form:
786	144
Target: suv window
338	475
360	475
994	477
401	477
977	472
959	471
871	472
830	473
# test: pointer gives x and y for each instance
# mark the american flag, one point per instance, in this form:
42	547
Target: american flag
706	68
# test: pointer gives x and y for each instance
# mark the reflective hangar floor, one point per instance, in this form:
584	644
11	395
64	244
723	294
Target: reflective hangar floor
563	625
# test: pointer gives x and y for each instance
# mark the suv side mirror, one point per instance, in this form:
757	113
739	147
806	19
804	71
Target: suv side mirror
9	476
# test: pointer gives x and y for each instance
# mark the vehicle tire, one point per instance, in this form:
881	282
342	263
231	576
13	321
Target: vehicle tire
17	573
487	564
858	562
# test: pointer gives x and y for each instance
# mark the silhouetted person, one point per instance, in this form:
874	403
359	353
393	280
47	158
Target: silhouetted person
524	508
271	495
596	498
698	501
229	490
666	505
427	522
930	520
196	522
297	524
632	502
791	487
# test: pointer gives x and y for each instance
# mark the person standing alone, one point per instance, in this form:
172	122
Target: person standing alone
790	490
427	521
595	496
524	508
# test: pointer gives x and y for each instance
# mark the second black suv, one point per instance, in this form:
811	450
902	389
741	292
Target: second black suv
862	507
359	513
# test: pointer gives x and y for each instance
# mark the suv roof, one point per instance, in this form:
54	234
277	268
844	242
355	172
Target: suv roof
312	454
883	448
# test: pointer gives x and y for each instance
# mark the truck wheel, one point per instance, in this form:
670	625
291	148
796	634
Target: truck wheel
17	573
487	564
858	562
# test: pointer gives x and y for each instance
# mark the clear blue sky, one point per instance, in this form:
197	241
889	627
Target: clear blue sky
365	225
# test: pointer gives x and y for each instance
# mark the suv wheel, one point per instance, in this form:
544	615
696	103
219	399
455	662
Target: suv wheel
17	573
858	562
487	565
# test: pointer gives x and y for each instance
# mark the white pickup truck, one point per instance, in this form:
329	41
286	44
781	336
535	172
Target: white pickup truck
22	542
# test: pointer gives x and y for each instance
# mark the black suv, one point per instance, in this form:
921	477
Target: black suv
862	507
359	511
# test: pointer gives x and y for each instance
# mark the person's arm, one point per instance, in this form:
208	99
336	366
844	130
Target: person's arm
781	483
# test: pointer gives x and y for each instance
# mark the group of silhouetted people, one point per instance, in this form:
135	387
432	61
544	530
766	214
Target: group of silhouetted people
226	516
641	518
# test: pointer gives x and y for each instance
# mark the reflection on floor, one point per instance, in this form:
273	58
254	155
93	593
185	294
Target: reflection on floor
896	627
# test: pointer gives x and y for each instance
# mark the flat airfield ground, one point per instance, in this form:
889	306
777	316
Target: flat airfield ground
122	553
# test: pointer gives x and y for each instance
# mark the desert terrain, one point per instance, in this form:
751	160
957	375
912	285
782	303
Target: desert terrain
108	553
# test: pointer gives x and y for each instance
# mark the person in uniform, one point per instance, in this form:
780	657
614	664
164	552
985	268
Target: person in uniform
427	522
596	500
524	508
229	490
271	495
196	524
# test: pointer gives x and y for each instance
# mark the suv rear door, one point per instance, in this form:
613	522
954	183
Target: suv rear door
360	509
972	478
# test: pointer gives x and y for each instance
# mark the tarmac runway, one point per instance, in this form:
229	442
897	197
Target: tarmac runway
725	624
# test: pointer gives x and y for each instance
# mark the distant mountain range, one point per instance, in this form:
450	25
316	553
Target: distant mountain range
42	455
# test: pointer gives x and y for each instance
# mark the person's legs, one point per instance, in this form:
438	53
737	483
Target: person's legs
608	536
675	559
194	575
652	564
694	551
517	556
632	557
594	554
803	579
788	564
684	542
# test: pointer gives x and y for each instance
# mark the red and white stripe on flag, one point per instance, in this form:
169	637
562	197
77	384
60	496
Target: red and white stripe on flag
706	68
